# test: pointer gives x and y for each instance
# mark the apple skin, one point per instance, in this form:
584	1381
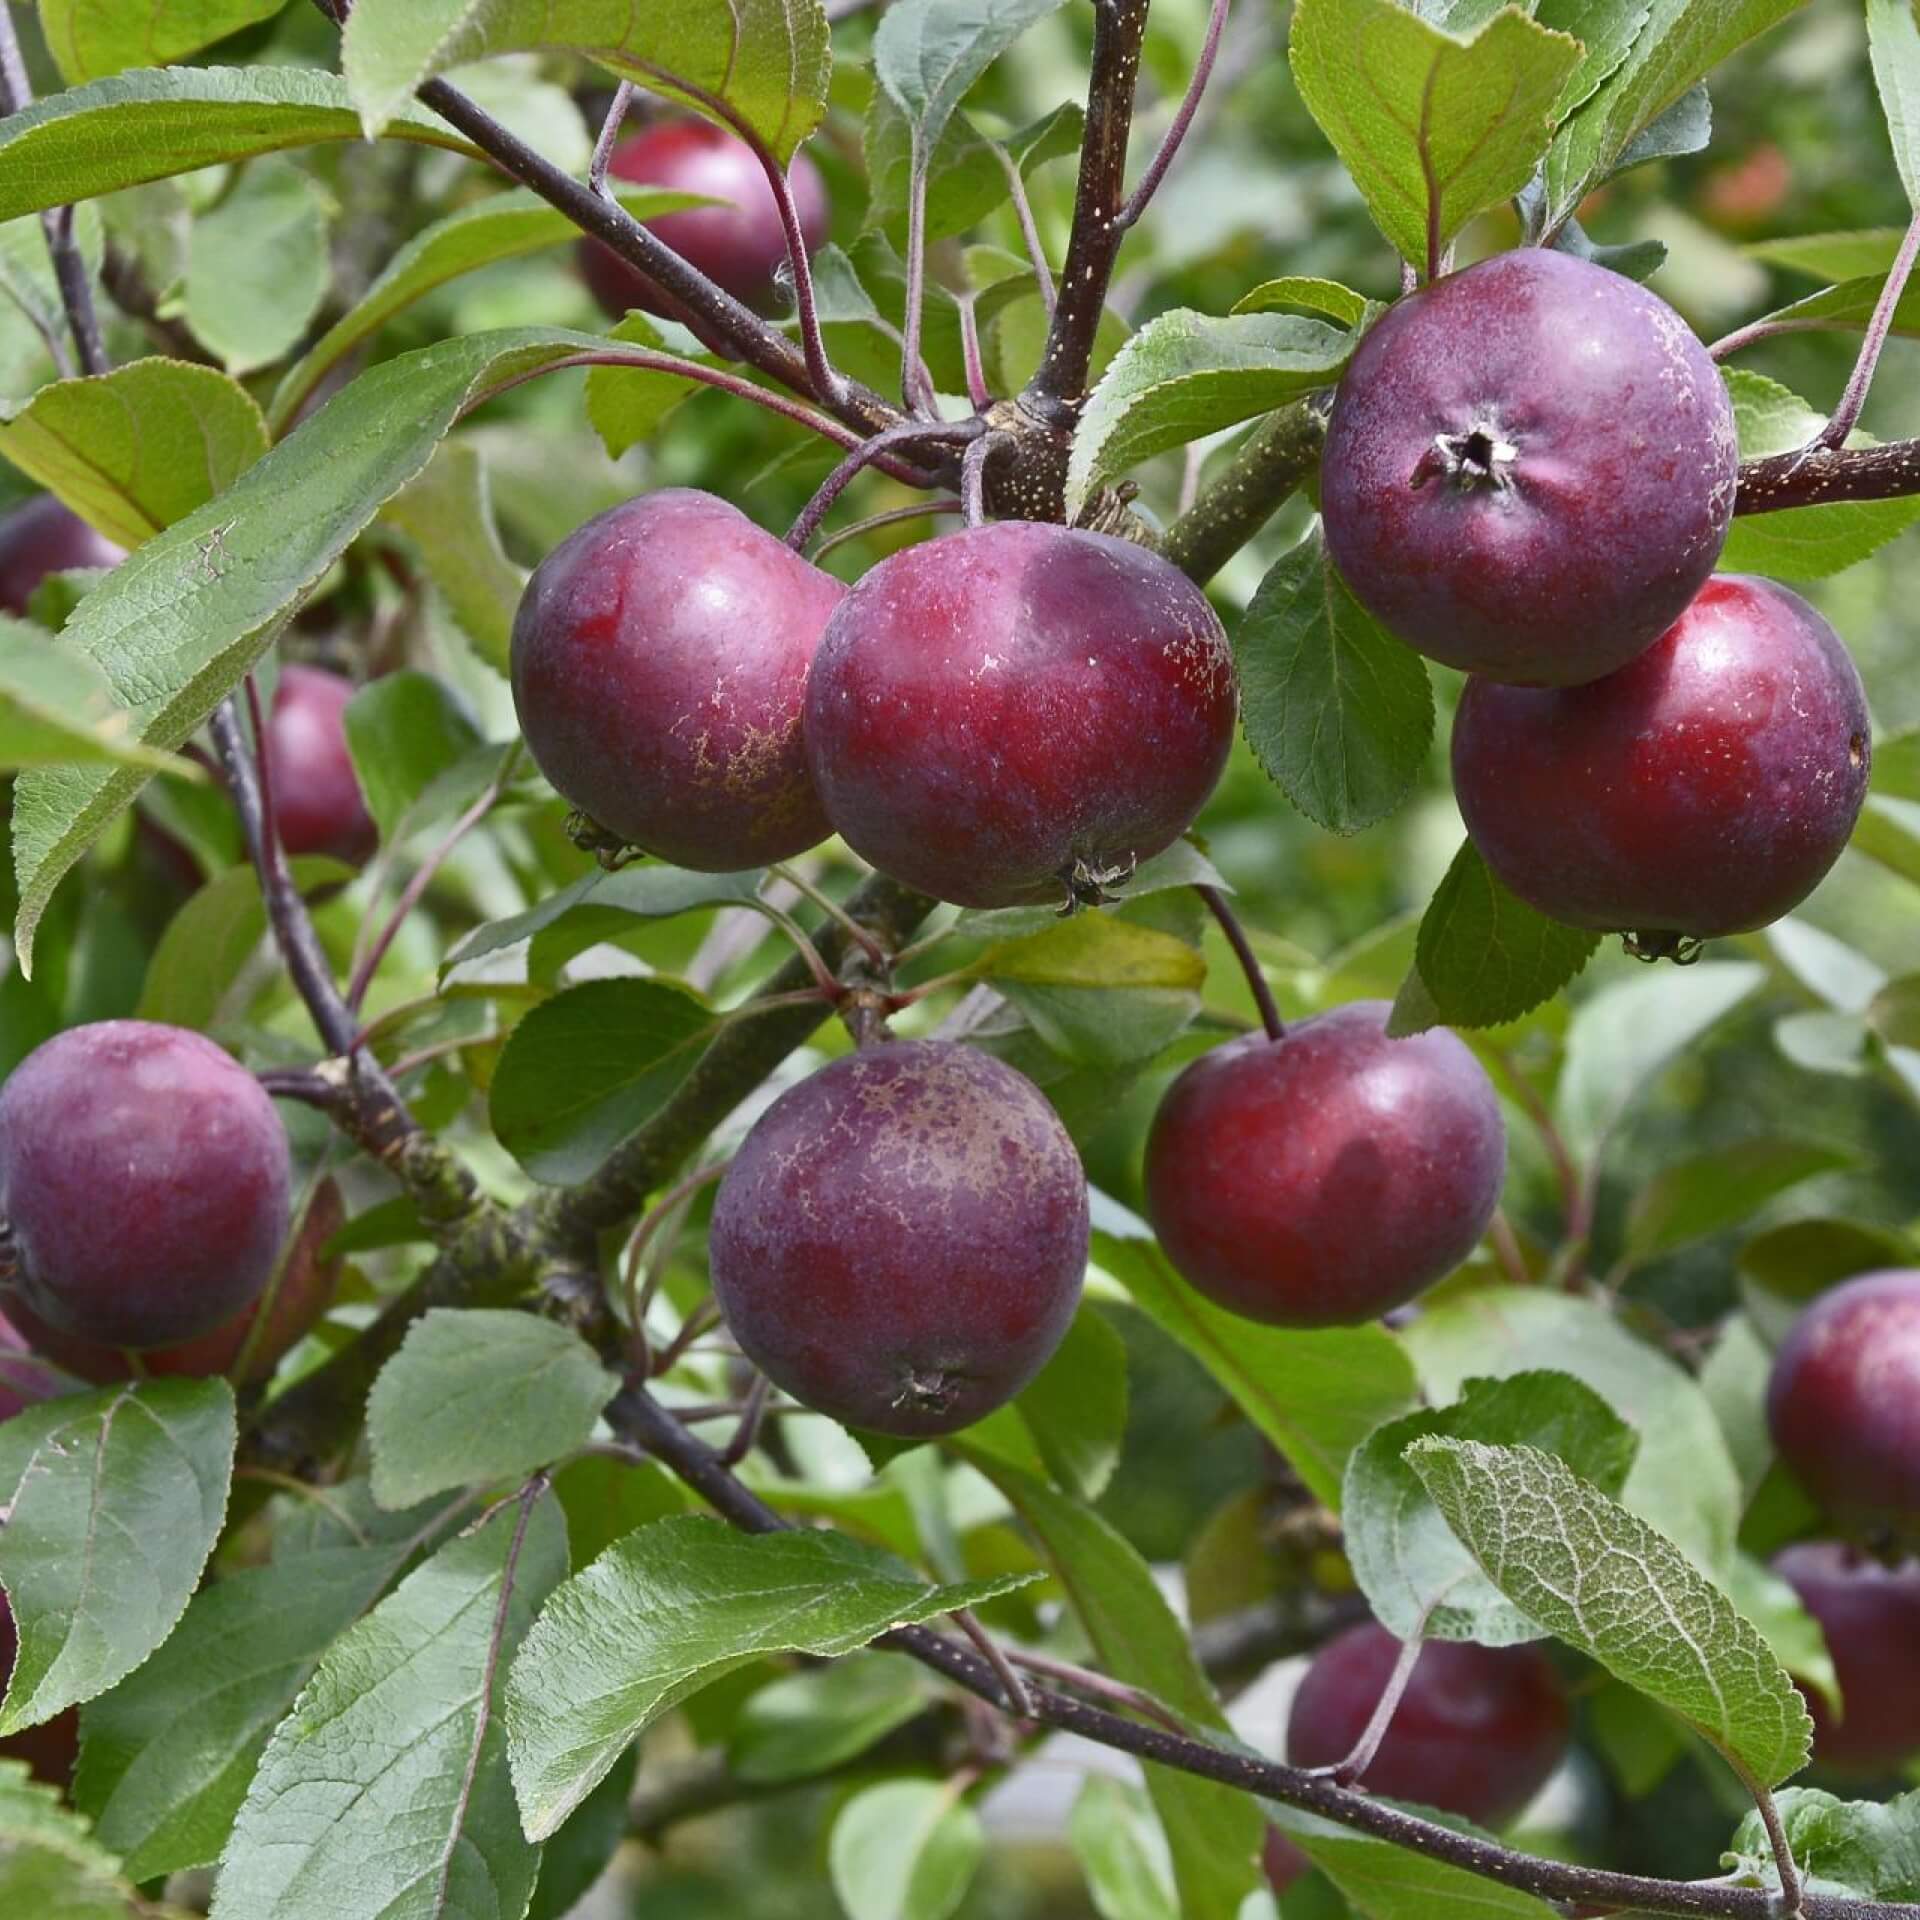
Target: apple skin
741	246
1004	715
660	659
1843	1402
1870	1615
317	803
144	1180
1705	789
45	536
1327	1177
304	1291
900	1241
1477	1732
1594	461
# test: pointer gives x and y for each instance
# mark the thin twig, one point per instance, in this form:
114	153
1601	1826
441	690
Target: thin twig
1182	119
1029	227
609	138
1366	1749
69	270
977	389
747	1433
875	951
868	453
671	1203
1846	416
1216	904
702	1319
1102	1686
1019	1702
423	878
919	510
916	390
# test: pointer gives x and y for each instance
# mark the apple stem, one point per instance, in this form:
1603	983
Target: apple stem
1216	904
973	479
609	134
798	881
1367	1747
905	433
1029	227
916	389
919	510
672	1205
1019	1702
1846	415
977	389
751	1415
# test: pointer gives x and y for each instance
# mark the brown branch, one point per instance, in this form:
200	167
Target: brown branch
637	1416
1058	389
1814	476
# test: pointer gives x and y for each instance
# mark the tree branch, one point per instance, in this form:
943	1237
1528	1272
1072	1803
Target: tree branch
76	291
1812	476
1275	459
636	1415
1058	389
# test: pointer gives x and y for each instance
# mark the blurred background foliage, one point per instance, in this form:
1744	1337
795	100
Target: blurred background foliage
1798	149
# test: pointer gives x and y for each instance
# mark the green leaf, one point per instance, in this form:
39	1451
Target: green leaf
89	41
1789	1265
155	123
1386	1882
674	1606
626	405
1094	950
1304	293
904	1850
587	1067
1336	710
1800	543
259	266
1483	956
114	1501
1315	1394
1433	128
1846	1849
506	226
405	731
385	1791
49	1863
572	1862
168	1754
56	709
212	938
927	53
1862	253
1121	1851
812	1722
177	625
448	515
966	176
759	66
1212	1832
1621	1039
1076	1408
598	904
1893	43
475	1396
1609	1585
1681	41
1712	1191
1683	1478
1417	1576
134	450
1606	29
1185	375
